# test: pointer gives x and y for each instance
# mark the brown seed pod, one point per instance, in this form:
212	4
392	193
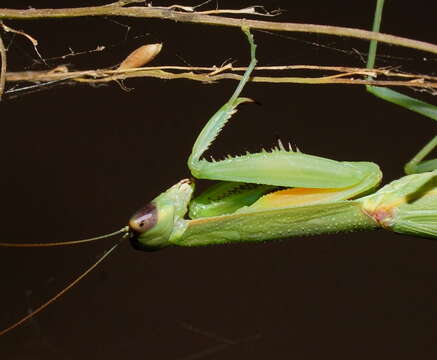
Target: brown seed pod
141	56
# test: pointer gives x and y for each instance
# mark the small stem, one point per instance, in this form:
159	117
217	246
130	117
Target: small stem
376	26
3	67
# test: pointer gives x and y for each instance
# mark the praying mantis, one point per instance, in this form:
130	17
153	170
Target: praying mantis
237	208
232	210
277	194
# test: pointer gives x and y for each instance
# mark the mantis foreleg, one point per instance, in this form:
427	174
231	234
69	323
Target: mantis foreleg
280	166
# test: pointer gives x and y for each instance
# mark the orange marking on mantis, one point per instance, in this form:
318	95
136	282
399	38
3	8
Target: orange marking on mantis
295	197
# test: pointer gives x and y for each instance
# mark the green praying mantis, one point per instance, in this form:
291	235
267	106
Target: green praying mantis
246	204
244	201
276	194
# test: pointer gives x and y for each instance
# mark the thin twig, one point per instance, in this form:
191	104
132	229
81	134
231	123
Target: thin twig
118	9
3	67
264	79
211	74
22	33
27	36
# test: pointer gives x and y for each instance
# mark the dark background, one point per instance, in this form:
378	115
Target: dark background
77	161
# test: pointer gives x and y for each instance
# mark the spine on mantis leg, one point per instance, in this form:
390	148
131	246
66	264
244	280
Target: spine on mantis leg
271	168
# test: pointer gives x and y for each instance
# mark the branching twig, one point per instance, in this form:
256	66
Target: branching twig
189	14
27	36
119	9
30	38
251	10
345	75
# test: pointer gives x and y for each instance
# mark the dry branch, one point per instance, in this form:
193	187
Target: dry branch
119	9
341	75
3	59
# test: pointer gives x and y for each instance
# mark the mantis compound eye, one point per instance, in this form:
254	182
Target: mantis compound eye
140	222
144	219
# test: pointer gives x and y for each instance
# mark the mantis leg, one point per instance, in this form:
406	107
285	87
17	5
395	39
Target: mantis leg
416	164
408	102
280	166
387	94
221	117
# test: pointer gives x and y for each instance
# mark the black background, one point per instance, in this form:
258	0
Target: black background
77	161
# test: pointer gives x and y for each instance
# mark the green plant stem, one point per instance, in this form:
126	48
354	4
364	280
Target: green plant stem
376	26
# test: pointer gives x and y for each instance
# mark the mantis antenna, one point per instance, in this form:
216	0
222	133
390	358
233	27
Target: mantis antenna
123	231
68	287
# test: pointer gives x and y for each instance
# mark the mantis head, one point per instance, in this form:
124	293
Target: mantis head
153	226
